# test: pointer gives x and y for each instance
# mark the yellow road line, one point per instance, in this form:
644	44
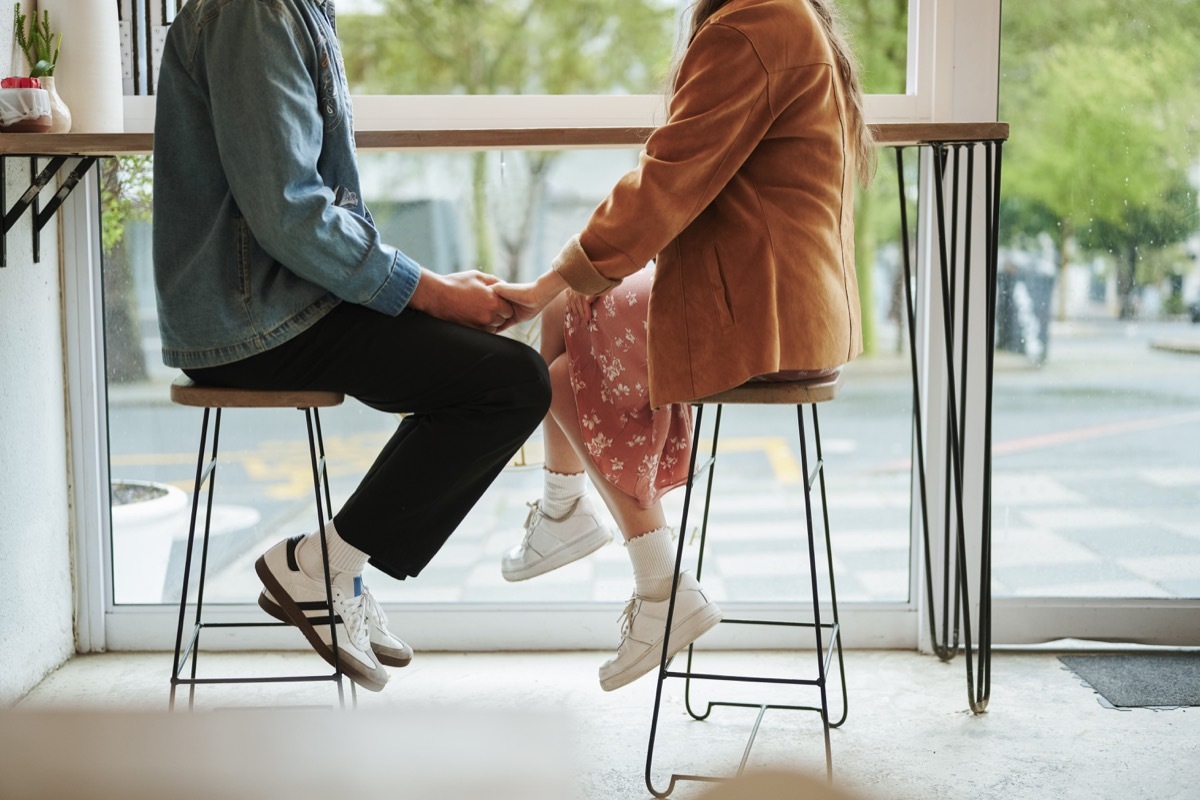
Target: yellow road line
284	468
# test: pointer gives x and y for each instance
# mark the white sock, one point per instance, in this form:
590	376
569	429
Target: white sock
653	561
343	556
561	491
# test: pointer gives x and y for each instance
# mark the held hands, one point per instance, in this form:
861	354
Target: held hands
486	303
528	299
463	297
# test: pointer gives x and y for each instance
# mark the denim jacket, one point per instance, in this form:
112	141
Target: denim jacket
259	223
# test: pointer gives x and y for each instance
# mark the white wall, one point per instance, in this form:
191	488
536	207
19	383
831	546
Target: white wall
36	592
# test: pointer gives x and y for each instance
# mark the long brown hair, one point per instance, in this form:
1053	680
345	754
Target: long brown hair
847	66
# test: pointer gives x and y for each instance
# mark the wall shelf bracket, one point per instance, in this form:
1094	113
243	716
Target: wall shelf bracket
58	165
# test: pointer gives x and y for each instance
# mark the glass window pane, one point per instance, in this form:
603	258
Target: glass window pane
878	31
507	46
1098	374
528	204
561	47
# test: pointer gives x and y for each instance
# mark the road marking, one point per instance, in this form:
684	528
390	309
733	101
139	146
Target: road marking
779	455
1093	432
285	469
284	466
1044	440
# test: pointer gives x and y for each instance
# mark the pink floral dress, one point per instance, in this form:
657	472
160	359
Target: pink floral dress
642	452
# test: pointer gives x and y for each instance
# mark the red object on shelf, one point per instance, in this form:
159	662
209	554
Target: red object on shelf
16	82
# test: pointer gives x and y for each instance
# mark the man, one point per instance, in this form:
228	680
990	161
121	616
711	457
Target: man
271	275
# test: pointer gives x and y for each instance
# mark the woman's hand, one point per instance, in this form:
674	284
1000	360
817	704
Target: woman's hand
528	299
579	305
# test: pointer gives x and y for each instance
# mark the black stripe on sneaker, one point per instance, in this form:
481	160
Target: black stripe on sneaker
291	552
323	620
315	605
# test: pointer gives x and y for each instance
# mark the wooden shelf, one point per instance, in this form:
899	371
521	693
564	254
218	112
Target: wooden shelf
75	144
119	144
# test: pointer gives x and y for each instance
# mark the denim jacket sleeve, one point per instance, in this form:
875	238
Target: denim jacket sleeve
257	66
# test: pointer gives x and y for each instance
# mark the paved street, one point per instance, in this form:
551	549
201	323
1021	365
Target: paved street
1096	486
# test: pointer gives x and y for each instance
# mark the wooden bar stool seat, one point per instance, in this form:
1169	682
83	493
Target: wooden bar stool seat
213	399
798	390
186	392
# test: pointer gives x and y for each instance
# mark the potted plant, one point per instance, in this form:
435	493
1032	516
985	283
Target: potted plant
41	48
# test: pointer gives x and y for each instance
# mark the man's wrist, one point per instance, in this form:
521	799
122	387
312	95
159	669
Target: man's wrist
429	287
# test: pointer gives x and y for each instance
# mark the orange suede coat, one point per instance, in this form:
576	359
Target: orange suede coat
746	197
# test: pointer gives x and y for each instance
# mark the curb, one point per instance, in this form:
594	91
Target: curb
1188	346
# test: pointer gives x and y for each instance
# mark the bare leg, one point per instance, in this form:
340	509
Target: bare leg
560	455
647	539
565	451
632	519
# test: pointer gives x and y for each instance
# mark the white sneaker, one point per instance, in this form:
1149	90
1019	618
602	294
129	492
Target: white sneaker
390	649
552	542
302	600
643	624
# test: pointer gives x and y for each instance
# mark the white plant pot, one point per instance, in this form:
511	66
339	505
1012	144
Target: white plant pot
142	533
145	533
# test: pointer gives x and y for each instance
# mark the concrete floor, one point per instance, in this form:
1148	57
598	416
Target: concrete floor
909	733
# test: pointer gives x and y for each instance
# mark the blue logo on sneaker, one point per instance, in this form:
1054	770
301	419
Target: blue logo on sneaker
357	585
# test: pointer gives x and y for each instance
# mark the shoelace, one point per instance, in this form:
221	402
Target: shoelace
627	617
536	513
352	610
531	520
375	613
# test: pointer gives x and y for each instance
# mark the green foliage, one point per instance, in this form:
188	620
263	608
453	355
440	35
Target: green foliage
1167	221
125	196
508	47
878	31
38	43
1104	123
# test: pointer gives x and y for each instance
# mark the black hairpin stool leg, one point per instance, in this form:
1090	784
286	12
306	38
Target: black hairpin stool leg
824	652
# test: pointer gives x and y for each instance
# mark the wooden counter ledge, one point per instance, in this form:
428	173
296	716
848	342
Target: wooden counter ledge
120	144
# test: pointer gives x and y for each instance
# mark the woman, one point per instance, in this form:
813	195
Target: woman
745	197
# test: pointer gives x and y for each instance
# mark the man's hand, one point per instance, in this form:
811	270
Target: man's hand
464	297
528	299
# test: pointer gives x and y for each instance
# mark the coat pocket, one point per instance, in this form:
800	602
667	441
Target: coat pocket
718	287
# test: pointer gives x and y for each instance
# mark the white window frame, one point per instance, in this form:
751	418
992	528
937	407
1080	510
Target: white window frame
953	76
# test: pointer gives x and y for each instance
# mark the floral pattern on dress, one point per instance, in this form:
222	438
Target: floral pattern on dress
643	452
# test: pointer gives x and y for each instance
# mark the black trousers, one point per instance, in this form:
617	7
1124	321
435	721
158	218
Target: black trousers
473	399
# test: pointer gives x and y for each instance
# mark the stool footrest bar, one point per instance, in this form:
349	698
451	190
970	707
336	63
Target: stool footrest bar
333	676
768	706
709	676
817	470
700	470
831	626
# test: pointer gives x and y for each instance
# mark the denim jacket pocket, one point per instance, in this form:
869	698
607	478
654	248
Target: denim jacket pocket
244	245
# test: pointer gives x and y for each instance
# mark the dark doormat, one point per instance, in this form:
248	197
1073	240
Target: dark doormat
1141	680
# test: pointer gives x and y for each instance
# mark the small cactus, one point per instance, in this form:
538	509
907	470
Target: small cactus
38	44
